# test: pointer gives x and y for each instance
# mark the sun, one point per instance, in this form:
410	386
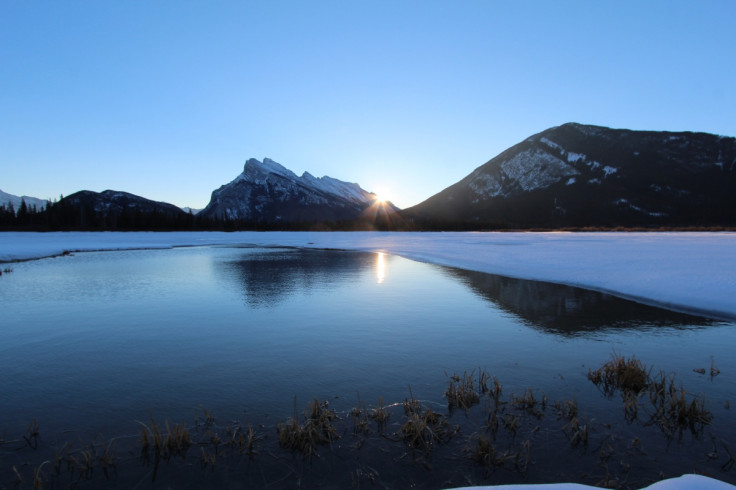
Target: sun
380	196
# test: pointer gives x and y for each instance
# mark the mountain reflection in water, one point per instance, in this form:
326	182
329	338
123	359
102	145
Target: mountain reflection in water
269	276
568	310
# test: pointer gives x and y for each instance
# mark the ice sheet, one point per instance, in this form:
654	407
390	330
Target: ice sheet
686	271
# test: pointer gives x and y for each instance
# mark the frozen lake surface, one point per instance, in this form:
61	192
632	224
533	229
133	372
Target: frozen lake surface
690	271
94	342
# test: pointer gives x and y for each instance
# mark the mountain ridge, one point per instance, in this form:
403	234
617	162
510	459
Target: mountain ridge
583	175
268	191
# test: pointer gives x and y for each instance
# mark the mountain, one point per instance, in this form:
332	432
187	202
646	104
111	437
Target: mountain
6	199
115	210
580	175
268	192
117	202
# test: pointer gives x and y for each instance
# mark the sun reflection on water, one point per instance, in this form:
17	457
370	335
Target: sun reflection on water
380	268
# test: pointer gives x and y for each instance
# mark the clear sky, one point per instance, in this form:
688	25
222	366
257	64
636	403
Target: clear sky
167	99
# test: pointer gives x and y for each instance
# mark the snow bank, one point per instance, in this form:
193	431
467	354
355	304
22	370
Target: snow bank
685	271
685	482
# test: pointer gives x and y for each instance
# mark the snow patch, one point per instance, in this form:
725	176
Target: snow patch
552	144
627	203
528	170
570	181
575	157
608	170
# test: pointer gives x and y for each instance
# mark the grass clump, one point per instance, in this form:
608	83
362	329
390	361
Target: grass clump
380	414
462	393
489	456
674	409
411	405
317	429
620	374
424	430
157	445
243	440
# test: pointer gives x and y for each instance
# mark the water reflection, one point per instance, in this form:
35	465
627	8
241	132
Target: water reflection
269	276
568	310
380	268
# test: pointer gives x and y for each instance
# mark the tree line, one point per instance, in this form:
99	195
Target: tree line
63	215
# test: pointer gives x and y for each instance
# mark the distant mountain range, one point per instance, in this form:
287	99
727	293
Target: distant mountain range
577	175
6	199
572	175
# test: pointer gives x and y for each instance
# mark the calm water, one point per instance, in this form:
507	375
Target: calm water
95	341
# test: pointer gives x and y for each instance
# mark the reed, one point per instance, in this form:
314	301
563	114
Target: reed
32	434
207	459
528	402
487	455
317	429
461	392
576	432
157	444
243	442
37	479
422	431
380	414
620	373
411	405
567	409
675	409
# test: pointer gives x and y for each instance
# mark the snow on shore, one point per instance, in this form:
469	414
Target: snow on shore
686	271
684	482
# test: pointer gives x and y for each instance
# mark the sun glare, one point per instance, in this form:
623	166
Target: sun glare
380	268
380	196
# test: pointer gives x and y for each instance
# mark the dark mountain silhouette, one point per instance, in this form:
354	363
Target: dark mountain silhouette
576	175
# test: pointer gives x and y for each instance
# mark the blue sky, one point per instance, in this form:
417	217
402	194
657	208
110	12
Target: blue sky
168	99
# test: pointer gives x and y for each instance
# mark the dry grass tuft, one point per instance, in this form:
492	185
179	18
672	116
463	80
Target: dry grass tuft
675	409
157	445
576	432
243	440
411	405
32	434
622	374
461	393
422	431
380	414
316	430
489	456
567	409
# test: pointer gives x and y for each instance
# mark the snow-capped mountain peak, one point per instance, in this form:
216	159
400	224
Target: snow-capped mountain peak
255	169
269	191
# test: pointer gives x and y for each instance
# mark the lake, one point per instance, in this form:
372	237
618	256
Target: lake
96	343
